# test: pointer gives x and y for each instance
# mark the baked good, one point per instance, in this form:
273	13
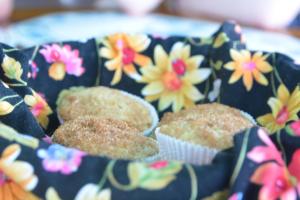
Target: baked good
196	134
105	103
108	137
212	125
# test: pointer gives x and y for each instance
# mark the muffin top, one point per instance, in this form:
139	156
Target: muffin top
211	125
105	103
108	137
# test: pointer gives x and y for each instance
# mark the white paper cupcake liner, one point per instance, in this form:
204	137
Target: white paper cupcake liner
249	117
151	109
171	148
61	121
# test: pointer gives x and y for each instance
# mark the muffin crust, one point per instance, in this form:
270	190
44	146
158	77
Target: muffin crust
211	125
108	137
104	102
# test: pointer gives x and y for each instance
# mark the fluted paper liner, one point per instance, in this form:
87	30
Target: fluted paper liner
171	148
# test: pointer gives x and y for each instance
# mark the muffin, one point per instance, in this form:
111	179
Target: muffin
200	131
106	103
108	137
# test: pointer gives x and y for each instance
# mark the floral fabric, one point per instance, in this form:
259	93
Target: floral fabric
172	73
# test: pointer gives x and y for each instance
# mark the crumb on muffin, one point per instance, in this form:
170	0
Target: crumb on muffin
211	125
108	137
104	102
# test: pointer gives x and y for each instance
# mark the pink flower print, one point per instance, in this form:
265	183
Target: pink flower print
294	166
265	153
61	159
294	128
52	53
278	180
236	196
47	139
159	164
275	181
63	60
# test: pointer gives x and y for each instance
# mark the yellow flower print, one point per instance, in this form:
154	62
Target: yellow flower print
223	194
87	192
39	108
12	135
220	40
12	68
17	178
248	66
5	108
173	78
284	109
51	194
153	176
122	52
91	191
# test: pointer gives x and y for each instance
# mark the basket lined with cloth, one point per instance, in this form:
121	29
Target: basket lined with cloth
172	73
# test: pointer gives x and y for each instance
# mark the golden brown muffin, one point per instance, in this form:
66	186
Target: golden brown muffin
105	103
211	125
108	137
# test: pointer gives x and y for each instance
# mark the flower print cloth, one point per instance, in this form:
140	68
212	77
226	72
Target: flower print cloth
172	73
63	60
172	79
60	159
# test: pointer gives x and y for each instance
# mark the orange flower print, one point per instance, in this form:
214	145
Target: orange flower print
39	108
17	178
249	67
123	52
57	71
172	79
284	109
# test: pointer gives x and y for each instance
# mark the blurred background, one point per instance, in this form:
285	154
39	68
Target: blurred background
265	14
29	22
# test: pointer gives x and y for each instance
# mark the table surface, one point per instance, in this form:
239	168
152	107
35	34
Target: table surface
22	14
80	25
